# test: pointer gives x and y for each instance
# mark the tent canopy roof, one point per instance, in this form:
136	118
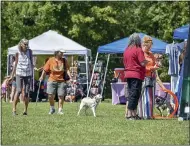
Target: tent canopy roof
181	32
120	45
50	41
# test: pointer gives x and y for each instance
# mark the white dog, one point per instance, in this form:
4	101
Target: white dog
92	103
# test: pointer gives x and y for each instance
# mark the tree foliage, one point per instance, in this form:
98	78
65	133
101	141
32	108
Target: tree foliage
90	23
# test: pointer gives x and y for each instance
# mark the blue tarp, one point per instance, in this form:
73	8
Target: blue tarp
120	45
181	32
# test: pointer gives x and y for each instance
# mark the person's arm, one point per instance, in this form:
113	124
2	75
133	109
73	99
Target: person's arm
46	68
152	68
144	63
159	81
181	58
141	58
14	67
38	69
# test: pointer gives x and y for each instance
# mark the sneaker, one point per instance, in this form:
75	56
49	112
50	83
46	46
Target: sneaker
137	117
25	114
130	118
14	113
60	113
52	111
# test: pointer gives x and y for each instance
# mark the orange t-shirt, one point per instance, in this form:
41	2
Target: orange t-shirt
56	69
150	65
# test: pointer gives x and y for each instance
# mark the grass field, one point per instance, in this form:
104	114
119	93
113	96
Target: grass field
109	127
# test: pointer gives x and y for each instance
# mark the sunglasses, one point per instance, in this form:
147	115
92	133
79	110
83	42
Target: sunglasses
23	44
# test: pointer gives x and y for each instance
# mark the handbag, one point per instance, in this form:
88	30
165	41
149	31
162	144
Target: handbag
66	76
148	82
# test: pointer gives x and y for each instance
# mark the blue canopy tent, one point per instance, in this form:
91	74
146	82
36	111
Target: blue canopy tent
181	32
119	46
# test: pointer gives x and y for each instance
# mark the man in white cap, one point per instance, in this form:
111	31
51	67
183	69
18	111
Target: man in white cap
58	68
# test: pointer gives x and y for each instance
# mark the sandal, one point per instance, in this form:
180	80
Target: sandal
137	117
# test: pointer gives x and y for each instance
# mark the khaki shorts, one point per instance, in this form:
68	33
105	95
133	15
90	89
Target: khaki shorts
59	87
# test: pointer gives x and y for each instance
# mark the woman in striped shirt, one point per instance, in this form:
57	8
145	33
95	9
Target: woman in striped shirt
23	68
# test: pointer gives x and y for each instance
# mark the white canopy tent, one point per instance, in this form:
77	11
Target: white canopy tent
50	41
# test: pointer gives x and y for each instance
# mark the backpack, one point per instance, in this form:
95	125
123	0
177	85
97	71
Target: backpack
29	53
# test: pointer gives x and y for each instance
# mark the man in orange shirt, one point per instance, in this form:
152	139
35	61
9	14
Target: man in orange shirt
56	82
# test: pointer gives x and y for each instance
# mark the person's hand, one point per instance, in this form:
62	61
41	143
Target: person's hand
156	67
146	61
35	69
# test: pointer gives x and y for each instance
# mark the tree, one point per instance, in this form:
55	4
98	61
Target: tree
91	23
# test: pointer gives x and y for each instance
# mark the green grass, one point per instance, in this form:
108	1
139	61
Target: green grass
109	127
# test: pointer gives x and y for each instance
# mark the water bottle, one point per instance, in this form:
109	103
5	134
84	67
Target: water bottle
180	119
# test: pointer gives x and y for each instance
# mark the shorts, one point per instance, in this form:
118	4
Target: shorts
53	86
13	83
23	83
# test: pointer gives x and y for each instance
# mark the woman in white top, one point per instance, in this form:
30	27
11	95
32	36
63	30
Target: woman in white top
23	68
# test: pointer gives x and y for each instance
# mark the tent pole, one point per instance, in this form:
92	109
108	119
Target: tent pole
7	65
105	74
86	59
72	61
7	75
33	72
92	74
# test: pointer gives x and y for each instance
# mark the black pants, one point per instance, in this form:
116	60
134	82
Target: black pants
134	89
